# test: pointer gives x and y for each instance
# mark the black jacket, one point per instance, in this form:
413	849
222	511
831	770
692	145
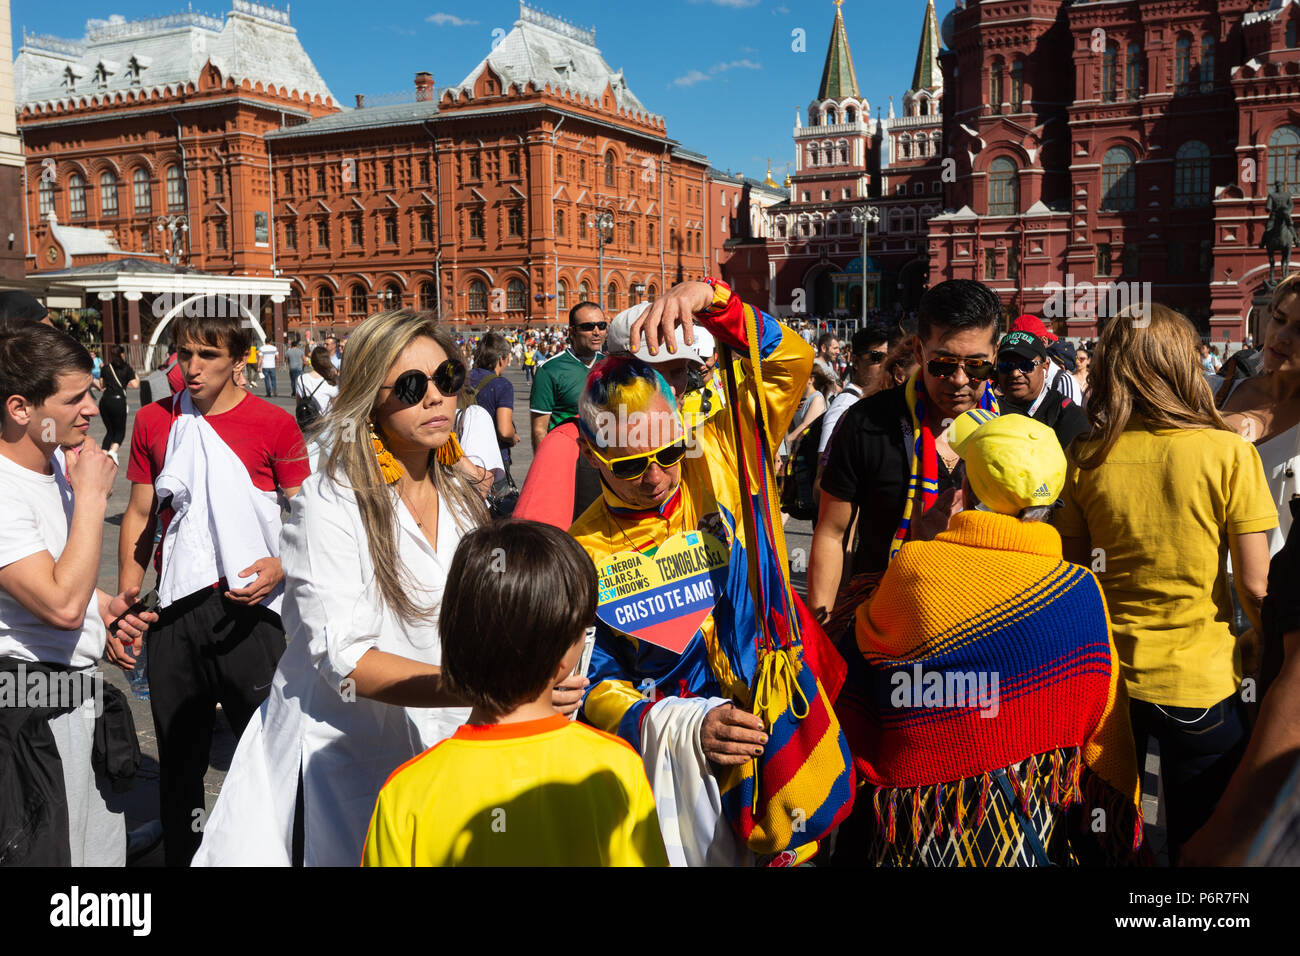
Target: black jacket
33	799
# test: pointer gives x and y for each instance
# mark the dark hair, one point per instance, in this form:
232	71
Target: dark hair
573	313
33	356
214	320
826	339
21	307
517	597
491	350
115	354
322	366
873	334
958	304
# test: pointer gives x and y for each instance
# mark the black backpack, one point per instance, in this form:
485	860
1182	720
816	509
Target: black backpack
305	410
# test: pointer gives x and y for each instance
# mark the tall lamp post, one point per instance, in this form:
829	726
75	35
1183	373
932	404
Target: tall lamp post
602	222
861	216
173	225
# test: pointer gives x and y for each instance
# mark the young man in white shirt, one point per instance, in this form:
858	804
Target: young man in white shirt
266	363
55	481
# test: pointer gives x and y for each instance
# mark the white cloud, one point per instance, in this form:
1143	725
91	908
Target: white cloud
737	4
747	49
735	65
449	19
782	9
690	79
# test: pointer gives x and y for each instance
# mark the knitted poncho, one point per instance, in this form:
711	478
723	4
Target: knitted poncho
986	651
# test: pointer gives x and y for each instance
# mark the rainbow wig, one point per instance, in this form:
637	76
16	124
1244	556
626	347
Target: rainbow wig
617	389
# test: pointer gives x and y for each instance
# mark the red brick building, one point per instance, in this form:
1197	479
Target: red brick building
1149	160
739	224
477	199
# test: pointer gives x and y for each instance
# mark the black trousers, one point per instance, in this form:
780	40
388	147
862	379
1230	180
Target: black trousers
113	409
204	650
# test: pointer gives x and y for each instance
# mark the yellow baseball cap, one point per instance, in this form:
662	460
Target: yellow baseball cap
1012	461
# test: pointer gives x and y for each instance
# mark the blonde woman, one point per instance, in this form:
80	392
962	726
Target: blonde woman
365	553
1159	491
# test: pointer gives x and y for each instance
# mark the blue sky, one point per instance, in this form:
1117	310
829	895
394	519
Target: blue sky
724	73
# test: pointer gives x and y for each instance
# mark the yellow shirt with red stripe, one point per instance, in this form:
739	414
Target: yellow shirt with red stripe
546	792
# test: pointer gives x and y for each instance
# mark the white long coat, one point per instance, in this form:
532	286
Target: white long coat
346	745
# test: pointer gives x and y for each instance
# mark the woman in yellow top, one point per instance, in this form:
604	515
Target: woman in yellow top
1159	492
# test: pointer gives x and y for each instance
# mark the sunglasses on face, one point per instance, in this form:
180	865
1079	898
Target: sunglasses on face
634	466
977	370
411	387
592	326
1007	366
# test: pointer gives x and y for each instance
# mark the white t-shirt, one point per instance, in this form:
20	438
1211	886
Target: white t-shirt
840	404
38	512
313	386
266	357
478	440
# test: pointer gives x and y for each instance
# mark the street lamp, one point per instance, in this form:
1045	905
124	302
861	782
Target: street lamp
602	222
173	225
861	216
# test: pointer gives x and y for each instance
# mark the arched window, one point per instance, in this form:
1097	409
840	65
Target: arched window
844	154
324	303
1109	66
1118	180
140	188
477	296
1017	85
295	302
850	115
175	188
357	299
609	168
584	292
108	193
1133	72
1192	175
813	118
1284	158
392	296
780	229
77	196
831	117
1207	64
1291	34
428	297
812	156
1183	65
562	296
516	296
559	223
905	146
611	298
46	192
1004	188
995	86
651	293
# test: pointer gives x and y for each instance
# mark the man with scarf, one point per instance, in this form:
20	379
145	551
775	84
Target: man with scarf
673	701
890	469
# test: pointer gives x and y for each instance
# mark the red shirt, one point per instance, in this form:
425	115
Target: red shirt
547	495
263	436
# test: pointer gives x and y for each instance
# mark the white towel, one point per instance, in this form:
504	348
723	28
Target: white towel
222	524
687	797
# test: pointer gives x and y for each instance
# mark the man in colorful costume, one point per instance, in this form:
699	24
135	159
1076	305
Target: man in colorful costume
683	702
996	723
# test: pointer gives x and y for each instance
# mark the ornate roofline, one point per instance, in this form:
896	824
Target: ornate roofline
556	25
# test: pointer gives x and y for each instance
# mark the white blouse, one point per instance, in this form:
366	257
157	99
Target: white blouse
346	745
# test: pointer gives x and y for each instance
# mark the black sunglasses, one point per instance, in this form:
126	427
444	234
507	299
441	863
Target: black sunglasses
411	387
1007	366
876	355
977	370
592	326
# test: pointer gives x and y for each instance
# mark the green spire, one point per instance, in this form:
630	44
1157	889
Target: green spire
838	78
927	75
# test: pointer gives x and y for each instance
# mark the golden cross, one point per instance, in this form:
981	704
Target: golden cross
838	5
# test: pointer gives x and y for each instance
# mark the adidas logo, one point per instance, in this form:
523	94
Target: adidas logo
1042	491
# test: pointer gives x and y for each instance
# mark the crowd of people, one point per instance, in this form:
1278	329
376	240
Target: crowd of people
1030	559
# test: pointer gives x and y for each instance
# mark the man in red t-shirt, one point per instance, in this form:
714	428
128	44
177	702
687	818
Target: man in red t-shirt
217	645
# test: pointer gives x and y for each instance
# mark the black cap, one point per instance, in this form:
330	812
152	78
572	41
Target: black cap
1025	344
21	305
1064	351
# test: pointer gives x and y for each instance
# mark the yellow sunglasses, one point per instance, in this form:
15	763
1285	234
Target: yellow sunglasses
630	467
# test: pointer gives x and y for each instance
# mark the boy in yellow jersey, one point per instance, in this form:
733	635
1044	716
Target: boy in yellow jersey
519	784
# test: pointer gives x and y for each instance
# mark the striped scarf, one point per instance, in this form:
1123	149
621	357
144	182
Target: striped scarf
924	483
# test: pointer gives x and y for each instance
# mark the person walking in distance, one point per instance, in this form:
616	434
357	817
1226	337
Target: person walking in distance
214	464
266	364
116	376
295	358
558	383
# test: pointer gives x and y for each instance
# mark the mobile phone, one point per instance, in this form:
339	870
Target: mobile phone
588	645
148	601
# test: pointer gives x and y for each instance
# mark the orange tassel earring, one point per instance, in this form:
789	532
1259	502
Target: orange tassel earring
451	452
389	467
